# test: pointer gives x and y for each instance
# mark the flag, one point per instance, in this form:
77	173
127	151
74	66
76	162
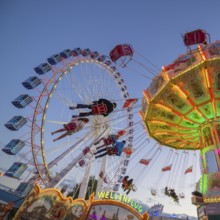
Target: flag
145	162
189	170
129	103
167	168
128	150
121	133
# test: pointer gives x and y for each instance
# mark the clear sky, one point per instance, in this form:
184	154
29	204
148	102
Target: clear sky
31	31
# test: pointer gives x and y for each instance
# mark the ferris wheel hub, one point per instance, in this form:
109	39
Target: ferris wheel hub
99	124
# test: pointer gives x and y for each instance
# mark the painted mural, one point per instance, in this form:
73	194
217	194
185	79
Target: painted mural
50	204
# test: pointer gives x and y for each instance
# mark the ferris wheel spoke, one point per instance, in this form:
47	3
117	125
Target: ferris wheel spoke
55	149
90	88
65	153
75	84
56	122
69	167
63	99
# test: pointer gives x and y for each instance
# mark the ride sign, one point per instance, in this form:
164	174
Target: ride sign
121	198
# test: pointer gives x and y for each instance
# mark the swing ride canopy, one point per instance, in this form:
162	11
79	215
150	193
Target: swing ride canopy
183	98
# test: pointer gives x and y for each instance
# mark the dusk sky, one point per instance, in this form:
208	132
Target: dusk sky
31	31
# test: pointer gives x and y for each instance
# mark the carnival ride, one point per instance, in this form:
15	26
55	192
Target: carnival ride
67	78
181	107
180	110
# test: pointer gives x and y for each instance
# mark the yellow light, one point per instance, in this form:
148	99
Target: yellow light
154	122
213	105
201	52
159	133
170	141
165	76
180	91
161	122
158	122
182	145
207	78
164	107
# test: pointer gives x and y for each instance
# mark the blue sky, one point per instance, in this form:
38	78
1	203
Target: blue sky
31	31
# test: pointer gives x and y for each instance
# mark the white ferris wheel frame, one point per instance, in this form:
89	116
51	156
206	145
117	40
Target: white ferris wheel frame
42	103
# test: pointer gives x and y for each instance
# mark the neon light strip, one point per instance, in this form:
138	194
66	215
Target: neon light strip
171	124
208	80
164	107
146	96
201	51
180	91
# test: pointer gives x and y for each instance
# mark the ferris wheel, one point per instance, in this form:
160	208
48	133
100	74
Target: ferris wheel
68	78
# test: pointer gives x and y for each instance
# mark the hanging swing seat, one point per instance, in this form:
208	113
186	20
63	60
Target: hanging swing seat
153	192
144	162
112	151
82	162
167	192
195	37
103	175
109	141
116	187
134	188
86	150
122	52
106	180
99	109
128	150
120	178
181	195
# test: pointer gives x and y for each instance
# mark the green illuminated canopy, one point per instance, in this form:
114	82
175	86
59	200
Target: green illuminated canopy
182	98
